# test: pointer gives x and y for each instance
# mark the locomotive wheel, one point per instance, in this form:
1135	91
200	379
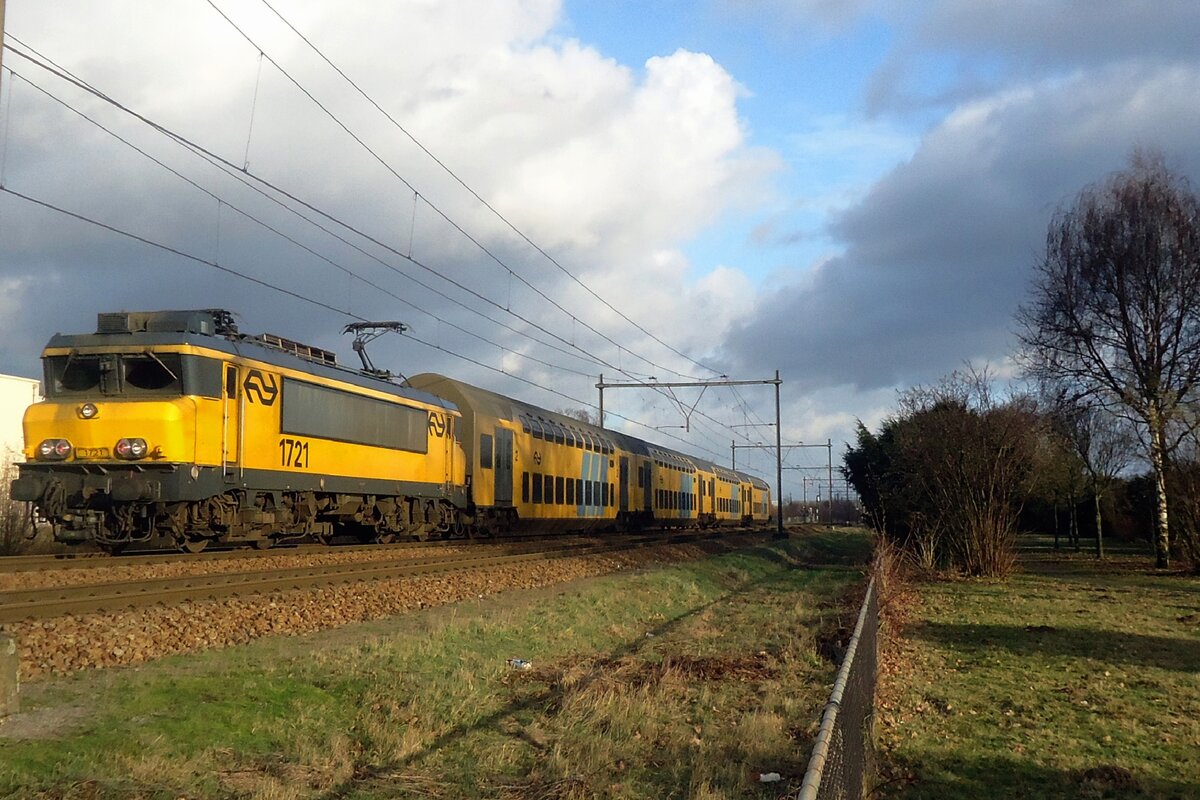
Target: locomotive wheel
192	545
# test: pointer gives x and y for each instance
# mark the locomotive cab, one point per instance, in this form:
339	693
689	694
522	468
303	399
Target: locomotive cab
118	421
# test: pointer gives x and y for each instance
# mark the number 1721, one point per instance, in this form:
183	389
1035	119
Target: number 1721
293	453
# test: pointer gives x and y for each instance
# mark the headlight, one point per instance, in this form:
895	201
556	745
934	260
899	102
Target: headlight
54	450
88	411
131	449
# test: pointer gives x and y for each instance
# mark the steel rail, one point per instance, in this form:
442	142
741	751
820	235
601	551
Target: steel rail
94	559
44	603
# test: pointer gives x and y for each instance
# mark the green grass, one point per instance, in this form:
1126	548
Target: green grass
1072	679
682	681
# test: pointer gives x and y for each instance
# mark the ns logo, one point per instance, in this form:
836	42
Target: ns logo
437	424
263	387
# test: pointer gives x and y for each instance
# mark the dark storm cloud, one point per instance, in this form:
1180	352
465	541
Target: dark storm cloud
938	254
1073	33
958	50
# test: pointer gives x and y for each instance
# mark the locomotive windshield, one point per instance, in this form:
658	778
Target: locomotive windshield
114	374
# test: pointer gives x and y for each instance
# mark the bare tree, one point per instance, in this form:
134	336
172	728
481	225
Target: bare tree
1058	478
972	454
1103	443
1115	308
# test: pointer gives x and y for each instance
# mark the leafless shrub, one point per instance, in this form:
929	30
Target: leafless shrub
16	518
948	474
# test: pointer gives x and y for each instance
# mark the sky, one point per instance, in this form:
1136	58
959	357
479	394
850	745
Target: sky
547	191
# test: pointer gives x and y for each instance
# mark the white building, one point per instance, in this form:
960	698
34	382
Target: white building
16	394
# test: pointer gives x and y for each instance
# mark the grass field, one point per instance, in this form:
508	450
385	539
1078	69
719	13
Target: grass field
683	681
1074	678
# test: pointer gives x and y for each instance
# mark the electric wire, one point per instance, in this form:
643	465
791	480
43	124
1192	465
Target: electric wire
250	217
476	195
242	174
233	170
248	179
445	216
301	297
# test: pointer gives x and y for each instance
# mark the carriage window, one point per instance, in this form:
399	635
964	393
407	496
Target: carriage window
549	489
537	487
524	487
485	451
560	494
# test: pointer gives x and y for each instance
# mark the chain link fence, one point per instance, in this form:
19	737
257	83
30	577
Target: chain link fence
844	753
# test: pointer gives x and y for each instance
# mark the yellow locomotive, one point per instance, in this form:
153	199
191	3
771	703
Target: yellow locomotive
172	425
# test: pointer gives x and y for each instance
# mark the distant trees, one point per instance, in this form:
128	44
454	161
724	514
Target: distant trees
945	478
1183	478
1114	315
1059	482
1096	445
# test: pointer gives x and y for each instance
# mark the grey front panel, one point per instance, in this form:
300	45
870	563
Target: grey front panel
504	467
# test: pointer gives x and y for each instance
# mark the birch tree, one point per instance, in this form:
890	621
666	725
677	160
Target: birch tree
1114	312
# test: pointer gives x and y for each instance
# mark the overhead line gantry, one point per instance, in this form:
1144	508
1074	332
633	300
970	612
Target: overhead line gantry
776	382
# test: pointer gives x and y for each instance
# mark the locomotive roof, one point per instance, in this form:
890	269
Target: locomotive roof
266	349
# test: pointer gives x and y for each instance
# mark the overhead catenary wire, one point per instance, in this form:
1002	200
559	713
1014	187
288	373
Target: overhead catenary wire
250	217
238	173
476	195
245	176
254	182
298	296
445	216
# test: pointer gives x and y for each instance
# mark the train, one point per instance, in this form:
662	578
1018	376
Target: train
173	428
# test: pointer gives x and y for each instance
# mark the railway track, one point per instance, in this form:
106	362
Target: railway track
99	560
81	561
49	602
